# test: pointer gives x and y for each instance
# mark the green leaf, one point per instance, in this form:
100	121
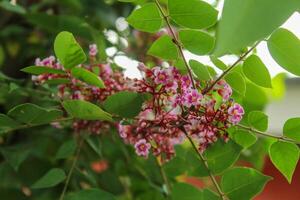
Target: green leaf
164	48
15	156
218	63
90	194
255	70
255	97
245	22
124	104
284	47
37	70
183	191
12	7
68	51
87	77
291	128
278	87
243	183
220	156
193	14
147	18
258	120
50	179
85	110
285	157
244	138
197	42
7	123
200	70
66	150
237	82
32	114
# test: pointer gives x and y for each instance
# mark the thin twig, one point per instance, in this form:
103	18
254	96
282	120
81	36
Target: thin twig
72	167
176	41
283	138
203	159
164	177
241	58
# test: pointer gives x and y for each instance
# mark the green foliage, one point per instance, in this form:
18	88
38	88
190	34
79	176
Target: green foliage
192	14
7	123
66	150
291	128
285	157
257	72
220	156
87	77
37	70
244	138
218	63
200	70
256	20
243	183
164	48
188	192
15	156
237	82
32	114
124	104
52	178
68	51
90	194
147	18
197	42
13	8
85	110
258	120
284	47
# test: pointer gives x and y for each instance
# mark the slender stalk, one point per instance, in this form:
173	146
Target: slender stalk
283	138
80	143
176	41
203	159
241	58
26	126
164	177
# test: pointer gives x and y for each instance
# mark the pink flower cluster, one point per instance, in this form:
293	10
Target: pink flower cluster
176	108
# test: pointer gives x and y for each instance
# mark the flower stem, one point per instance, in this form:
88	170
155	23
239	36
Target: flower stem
203	159
176	41
164	177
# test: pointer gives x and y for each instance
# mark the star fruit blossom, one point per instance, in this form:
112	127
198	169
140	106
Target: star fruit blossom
174	105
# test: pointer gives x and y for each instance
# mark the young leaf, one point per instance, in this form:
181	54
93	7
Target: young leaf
237	82
66	150
50	179
243	183
147	18
87	77
193	14
244	138
257	20
255	70
32	114
85	110
37	70
284	47
90	194
285	157
124	104
200	70
291	128
197	42
164	48
218	63
258	120
68	51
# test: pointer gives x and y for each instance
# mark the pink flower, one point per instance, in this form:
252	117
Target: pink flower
124	130
142	148
161	76
236	113
176	100
192	98
186	82
93	50
225	92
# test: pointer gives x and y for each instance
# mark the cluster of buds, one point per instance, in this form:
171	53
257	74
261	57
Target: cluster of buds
178	106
